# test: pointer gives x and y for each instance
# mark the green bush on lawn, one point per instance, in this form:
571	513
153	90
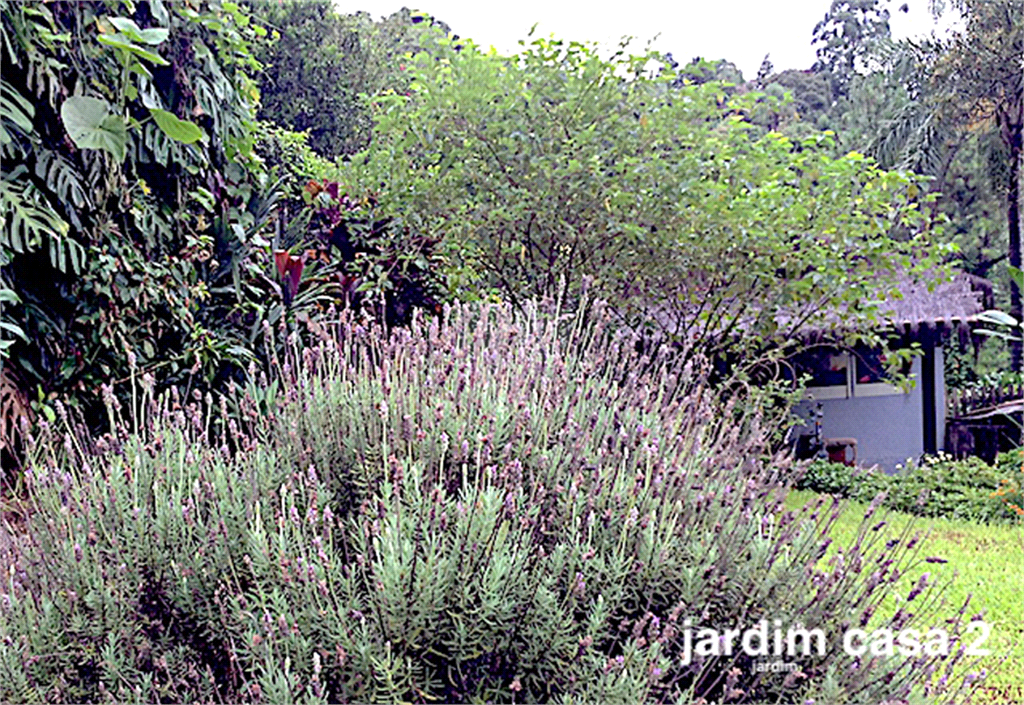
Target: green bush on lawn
941	486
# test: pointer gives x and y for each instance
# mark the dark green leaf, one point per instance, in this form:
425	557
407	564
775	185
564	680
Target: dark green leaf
175	128
152	36
119	41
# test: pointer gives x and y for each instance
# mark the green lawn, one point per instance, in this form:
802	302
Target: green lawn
989	564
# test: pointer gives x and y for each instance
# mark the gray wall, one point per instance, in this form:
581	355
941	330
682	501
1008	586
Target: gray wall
888	429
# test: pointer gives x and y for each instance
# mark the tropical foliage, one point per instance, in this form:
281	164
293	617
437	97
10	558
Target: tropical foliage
133	197
140	219
343	361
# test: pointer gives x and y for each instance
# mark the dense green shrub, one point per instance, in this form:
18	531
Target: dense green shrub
826	476
473	508
557	171
941	486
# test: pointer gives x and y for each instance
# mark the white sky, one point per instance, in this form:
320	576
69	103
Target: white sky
742	31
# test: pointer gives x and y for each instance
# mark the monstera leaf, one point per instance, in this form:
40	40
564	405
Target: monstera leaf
14	108
91	125
175	128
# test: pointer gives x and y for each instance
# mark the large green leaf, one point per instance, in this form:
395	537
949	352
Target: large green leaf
16	109
175	128
13	330
91	125
154	35
120	41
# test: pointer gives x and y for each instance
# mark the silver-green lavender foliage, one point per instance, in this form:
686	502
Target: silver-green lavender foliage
487	506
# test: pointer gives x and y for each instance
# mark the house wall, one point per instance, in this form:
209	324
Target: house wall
889	429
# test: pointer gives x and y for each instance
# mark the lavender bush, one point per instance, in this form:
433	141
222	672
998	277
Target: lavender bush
487	507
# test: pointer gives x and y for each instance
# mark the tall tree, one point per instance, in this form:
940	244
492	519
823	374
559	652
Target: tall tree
952	109
321	65
303	85
845	38
980	79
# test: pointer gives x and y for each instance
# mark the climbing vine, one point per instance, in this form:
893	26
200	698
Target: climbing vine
133	201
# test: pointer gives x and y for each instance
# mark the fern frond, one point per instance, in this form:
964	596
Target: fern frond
916	138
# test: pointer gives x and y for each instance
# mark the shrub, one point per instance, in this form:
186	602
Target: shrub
831	478
941	486
1010	492
474	508
558	172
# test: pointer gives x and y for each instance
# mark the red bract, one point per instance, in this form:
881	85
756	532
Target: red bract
289	267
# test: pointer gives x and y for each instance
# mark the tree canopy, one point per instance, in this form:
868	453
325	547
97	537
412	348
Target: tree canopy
557	171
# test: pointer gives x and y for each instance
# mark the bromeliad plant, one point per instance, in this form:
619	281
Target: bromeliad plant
380	265
486	506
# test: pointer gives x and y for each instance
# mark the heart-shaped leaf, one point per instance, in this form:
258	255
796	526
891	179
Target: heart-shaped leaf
91	125
175	128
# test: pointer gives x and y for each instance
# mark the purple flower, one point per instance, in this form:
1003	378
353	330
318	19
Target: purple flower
580	586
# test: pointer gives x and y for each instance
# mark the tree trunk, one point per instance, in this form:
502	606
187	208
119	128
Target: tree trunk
1013	221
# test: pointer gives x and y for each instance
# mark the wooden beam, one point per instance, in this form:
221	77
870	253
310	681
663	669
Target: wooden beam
928	397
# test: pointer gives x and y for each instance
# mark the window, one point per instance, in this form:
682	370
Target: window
838	374
828	369
871	378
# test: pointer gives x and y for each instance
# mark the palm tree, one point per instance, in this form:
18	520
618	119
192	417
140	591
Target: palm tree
967	84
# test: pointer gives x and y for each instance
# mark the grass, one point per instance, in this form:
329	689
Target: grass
986	562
